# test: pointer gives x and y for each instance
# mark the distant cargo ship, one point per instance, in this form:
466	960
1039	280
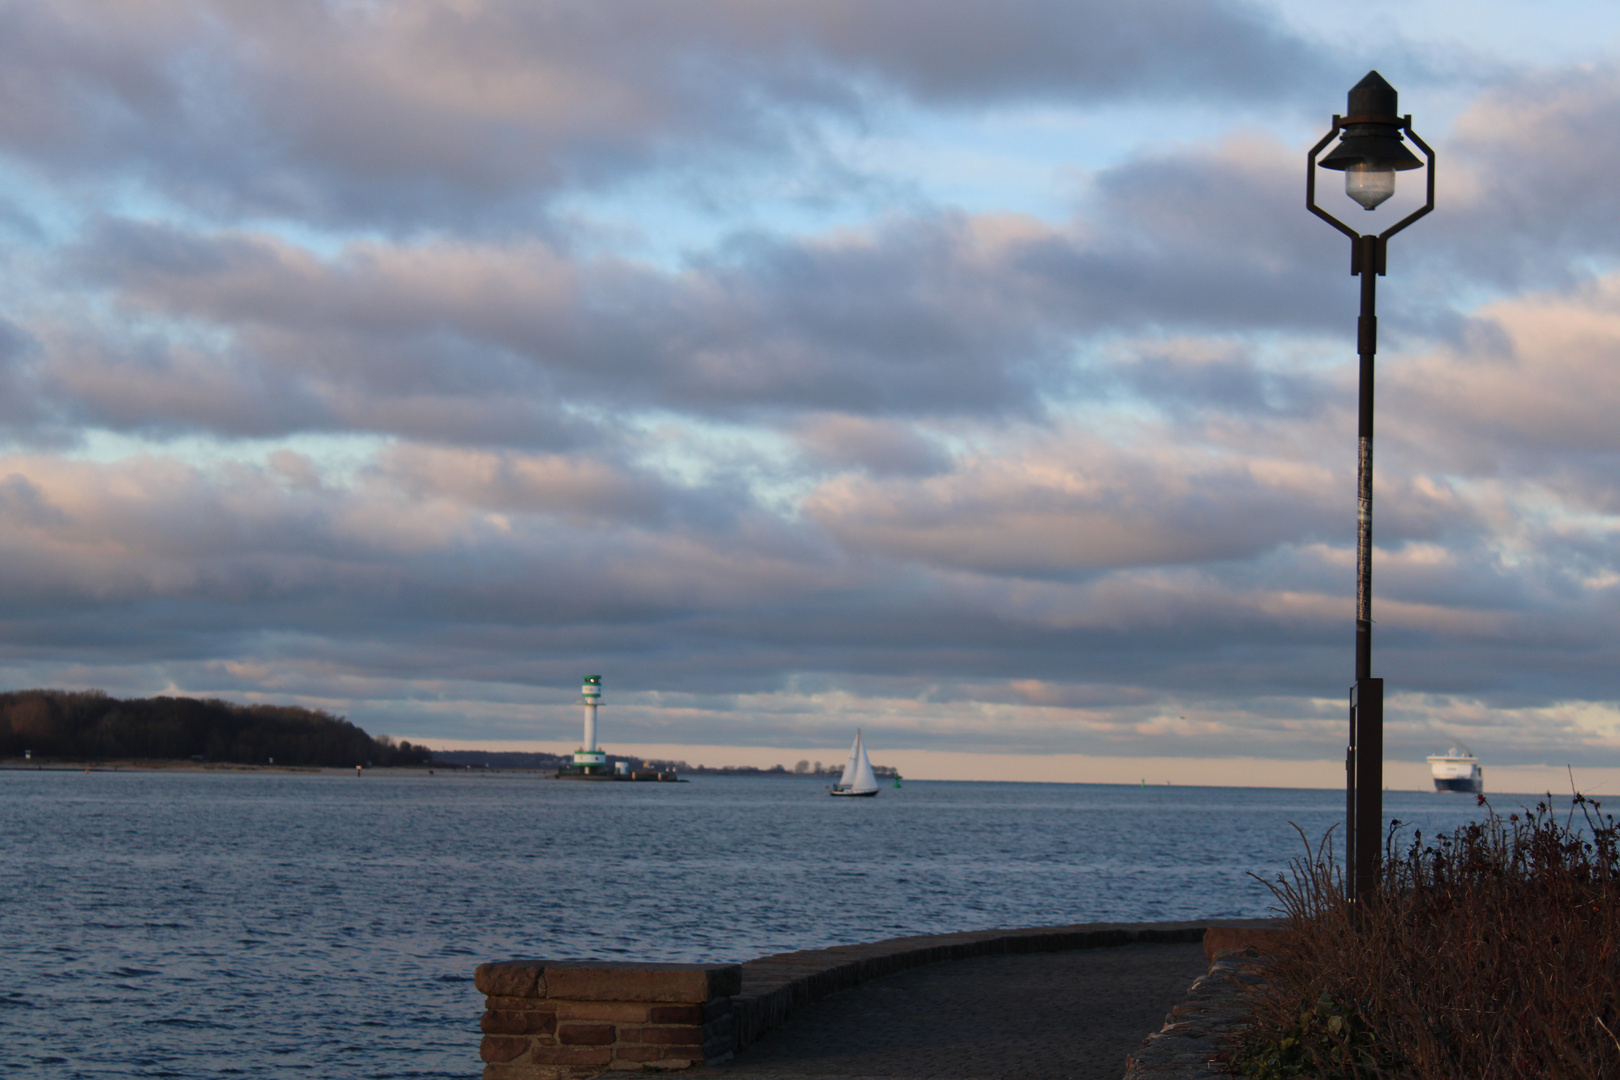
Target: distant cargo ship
1457	770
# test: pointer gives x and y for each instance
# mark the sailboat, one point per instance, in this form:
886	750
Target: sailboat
857	778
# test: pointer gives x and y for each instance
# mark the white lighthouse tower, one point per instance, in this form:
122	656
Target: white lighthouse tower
588	758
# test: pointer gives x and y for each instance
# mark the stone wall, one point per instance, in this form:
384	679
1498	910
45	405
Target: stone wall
564	1020
546	1020
1192	1043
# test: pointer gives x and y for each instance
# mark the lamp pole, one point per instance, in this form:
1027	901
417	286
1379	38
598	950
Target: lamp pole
1370	152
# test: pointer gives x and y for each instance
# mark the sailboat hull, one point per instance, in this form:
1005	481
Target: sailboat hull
853	794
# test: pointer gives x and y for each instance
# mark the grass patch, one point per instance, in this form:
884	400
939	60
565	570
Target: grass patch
1489	952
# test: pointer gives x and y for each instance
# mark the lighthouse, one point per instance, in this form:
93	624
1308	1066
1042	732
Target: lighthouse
589	759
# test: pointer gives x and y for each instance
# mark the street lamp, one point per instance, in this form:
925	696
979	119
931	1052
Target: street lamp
1370	152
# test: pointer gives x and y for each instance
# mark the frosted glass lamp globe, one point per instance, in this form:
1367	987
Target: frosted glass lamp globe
1369	183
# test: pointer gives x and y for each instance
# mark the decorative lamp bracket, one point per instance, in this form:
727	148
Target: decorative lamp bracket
1367	251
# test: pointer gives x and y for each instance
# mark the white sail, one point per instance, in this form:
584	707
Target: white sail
856	753
864	780
857	778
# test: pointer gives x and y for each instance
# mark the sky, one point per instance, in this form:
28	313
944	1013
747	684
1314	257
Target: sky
971	373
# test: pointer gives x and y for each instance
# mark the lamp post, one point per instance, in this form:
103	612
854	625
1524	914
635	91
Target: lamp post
1369	153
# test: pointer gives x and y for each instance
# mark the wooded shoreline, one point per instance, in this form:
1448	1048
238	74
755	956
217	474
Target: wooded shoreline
91	726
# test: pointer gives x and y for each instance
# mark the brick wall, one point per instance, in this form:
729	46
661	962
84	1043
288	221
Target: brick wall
557	1020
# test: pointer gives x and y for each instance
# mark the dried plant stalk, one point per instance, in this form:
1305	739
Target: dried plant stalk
1490	952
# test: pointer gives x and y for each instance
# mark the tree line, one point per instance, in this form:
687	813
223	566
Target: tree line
89	725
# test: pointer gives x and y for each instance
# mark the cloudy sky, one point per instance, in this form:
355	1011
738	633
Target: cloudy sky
968	371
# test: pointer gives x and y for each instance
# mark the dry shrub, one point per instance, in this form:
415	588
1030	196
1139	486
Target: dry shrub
1490	952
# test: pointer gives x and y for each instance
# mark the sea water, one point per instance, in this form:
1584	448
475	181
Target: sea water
205	924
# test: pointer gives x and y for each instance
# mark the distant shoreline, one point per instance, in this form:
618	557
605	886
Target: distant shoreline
165	765
159	766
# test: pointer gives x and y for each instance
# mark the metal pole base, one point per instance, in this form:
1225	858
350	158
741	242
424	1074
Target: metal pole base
1364	788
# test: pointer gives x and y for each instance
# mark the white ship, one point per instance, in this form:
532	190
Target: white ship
1457	770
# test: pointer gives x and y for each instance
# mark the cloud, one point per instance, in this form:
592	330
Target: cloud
440	571
1082	506
571	488
879	446
910	322
968	51
1533	377
1194	378
976	476
1526	185
935	314
415	110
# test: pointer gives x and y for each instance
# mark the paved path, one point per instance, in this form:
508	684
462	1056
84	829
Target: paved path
1037	1016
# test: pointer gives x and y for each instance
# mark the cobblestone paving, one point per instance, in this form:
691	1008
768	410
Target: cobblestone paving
1041	1016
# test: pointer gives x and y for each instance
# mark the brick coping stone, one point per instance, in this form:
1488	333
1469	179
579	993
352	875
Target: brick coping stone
728	1007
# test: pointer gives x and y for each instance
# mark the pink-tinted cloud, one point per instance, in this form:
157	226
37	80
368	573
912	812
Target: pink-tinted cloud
997	477
415	109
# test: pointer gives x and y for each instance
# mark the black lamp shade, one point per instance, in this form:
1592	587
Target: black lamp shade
1371	145
1372	139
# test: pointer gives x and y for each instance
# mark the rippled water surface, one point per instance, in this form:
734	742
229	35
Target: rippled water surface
165	924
